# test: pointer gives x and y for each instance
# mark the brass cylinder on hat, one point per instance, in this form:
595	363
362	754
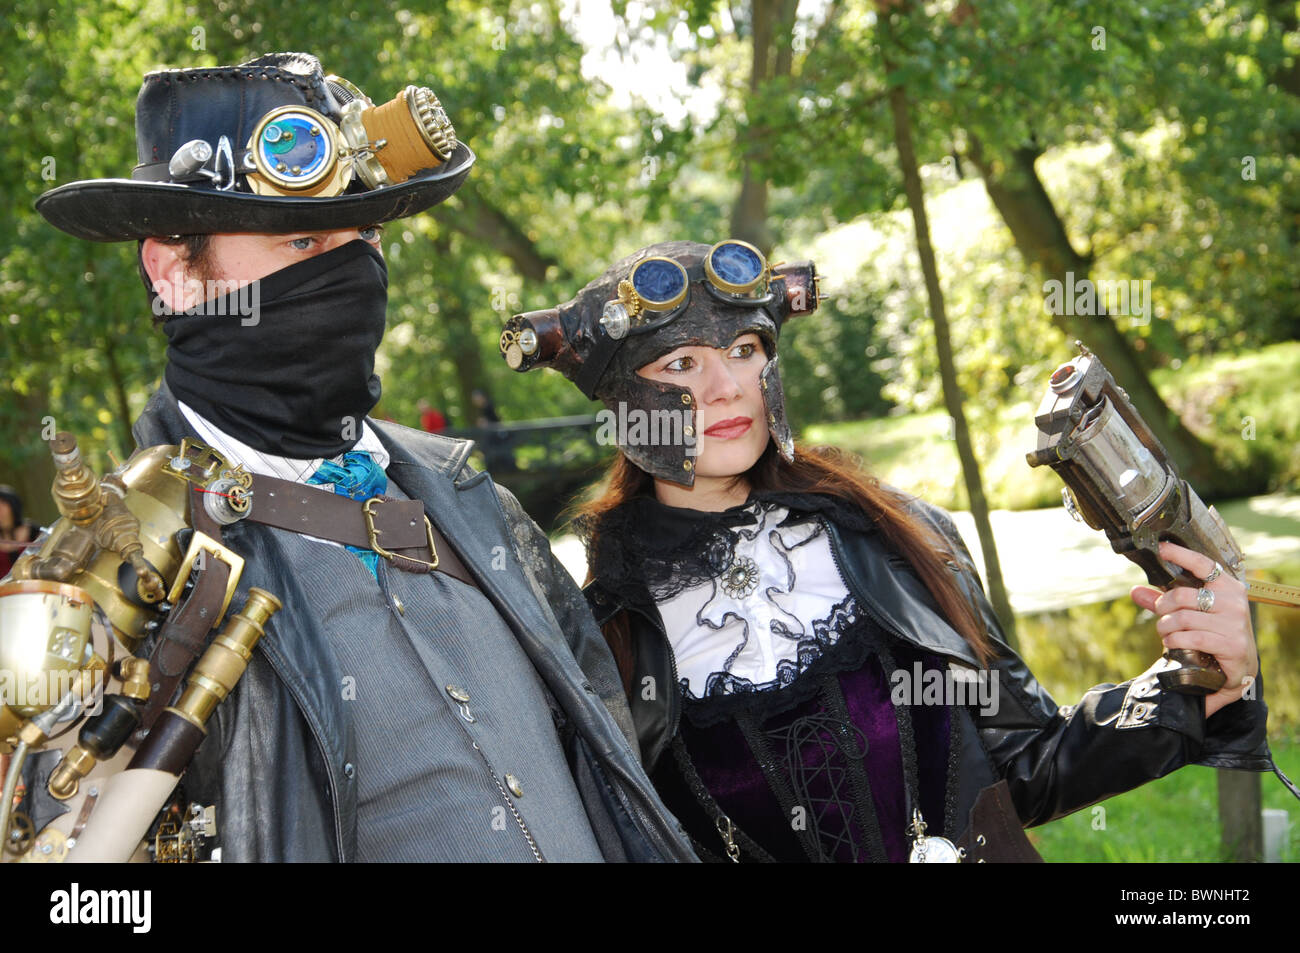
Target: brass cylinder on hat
533	339
416	132
798	287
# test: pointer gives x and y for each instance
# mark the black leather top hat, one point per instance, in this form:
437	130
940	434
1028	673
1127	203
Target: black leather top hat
208	186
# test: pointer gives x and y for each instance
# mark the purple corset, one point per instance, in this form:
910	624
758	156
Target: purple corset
814	770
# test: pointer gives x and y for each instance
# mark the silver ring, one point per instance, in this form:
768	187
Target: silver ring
1204	600
1215	573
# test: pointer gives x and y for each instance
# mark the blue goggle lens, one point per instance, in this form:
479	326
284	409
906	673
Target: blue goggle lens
736	264
660	283
294	148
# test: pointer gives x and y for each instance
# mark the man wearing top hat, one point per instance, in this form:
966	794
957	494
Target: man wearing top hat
468	711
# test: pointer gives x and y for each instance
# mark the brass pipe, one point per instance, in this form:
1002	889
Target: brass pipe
221	666
76	488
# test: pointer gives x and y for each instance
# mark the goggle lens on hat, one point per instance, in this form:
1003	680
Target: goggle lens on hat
295	148
736	267
661	287
297	151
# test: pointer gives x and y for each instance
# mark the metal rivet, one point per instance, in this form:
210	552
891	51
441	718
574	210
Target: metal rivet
513	784
771	418
980	840
689	431
686	399
458	693
349	770
687	465
397	604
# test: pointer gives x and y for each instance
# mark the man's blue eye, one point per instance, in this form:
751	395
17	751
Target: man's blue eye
372	233
301	244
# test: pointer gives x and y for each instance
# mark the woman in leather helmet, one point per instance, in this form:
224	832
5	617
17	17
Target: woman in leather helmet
812	665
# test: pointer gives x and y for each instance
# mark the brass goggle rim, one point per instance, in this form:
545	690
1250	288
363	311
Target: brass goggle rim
747	289
329	131
636	303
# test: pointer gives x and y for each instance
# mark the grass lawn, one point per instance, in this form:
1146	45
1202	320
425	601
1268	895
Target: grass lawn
1173	819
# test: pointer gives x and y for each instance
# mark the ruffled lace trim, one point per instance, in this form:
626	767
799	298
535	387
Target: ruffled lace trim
842	642
646	551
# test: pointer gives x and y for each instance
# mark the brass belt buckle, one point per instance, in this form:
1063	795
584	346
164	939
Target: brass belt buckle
374	535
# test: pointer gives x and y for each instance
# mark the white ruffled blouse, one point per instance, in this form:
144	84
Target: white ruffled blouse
765	619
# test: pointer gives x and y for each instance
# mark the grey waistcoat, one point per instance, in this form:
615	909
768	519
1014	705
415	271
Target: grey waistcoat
281	760
434	772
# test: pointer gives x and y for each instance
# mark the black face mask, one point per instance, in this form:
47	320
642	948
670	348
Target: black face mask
295	378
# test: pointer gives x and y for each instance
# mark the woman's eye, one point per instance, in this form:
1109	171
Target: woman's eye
372	233
743	351
681	364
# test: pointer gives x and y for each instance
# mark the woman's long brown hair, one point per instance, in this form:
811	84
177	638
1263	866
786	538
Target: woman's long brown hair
829	471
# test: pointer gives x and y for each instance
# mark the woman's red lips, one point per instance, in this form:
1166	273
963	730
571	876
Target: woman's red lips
730	428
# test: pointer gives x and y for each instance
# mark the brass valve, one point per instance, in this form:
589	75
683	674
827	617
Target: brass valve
135	678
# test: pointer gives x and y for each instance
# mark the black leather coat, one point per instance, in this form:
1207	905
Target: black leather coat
278	756
1054	759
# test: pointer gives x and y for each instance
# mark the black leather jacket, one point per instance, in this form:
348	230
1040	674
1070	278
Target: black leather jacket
1054	759
277	760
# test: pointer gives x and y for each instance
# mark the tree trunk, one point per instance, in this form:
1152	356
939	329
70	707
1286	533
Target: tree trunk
771	55
478	218
1039	233
952	396
460	340
1287	76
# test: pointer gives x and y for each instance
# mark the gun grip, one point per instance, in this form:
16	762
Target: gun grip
1197	673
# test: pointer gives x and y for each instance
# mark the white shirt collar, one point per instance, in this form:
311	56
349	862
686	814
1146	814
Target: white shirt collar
266	464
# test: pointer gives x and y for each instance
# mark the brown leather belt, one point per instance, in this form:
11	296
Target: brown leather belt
396	529
996	834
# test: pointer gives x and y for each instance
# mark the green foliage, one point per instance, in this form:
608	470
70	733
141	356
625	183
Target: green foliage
1146	138
1246	406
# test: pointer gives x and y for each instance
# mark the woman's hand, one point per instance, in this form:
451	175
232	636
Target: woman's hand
1223	632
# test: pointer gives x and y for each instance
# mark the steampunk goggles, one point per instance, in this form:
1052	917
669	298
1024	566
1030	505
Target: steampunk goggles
297	151
580	338
658	289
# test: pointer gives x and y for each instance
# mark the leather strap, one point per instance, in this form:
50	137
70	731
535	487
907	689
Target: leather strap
401	526
185	633
995	834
